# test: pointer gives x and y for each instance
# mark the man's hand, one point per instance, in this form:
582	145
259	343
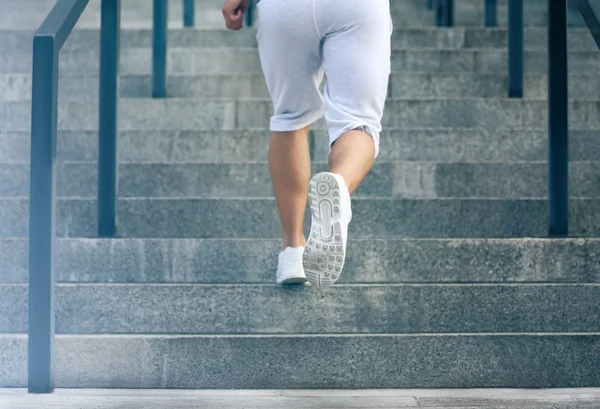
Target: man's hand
234	11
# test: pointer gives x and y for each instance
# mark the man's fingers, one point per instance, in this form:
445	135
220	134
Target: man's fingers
234	18
235	24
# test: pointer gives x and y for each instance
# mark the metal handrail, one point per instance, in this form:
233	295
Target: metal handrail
189	13
491	13
160	39
445	18
558	124
47	43
558	120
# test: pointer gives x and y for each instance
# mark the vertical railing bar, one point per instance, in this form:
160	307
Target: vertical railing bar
250	13
491	13
189	13
108	117
159	49
430	4
558	124
445	13
42	215
516	32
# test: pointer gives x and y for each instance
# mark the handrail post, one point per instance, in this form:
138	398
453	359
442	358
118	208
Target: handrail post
430	4
515	48
491	13
250	13
159	49
189	13
108	128
445	13
42	214
558	123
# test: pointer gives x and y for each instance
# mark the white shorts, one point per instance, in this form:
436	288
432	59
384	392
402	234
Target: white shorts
349	41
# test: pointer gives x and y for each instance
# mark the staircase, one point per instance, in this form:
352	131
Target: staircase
449	282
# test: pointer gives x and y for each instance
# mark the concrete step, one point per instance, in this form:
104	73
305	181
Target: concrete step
370	261
301	399
446	38
138	14
402	180
241	146
230	114
17	87
231	61
258	218
471	12
317	361
345	309
134	14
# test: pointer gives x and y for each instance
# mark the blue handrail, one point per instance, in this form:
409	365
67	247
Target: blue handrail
445	13
491	13
159	48
250	13
47	43
108	117
516	49
558	123
445	18
189	13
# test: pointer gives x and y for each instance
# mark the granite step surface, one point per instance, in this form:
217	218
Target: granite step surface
248	113
340	309
242	146
368	261
530	360
258	218
471	12
401	180
17	87
303	399
447	38
230	61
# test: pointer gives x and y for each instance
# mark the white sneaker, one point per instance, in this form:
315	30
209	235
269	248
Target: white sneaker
289	267
331	209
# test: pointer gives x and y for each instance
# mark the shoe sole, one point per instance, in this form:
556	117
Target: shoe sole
293	280
324	254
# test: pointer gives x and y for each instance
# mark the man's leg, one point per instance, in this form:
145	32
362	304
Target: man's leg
352	156
290	54
289	164
357	62
356	57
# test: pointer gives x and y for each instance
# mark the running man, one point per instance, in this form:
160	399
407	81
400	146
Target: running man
300	41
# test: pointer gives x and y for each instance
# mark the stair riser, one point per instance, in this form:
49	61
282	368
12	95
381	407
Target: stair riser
367	261
404	180
258	218
189	309
18	87
241	61
434	145
579	39
314	362
211	114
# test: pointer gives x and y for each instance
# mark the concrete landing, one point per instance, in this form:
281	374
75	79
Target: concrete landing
314	399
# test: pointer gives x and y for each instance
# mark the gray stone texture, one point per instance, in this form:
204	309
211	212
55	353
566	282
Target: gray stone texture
468	145
230	114
441	287
405	180
17	87
325	361
536	38
229	61
258	218
271	309
368	261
